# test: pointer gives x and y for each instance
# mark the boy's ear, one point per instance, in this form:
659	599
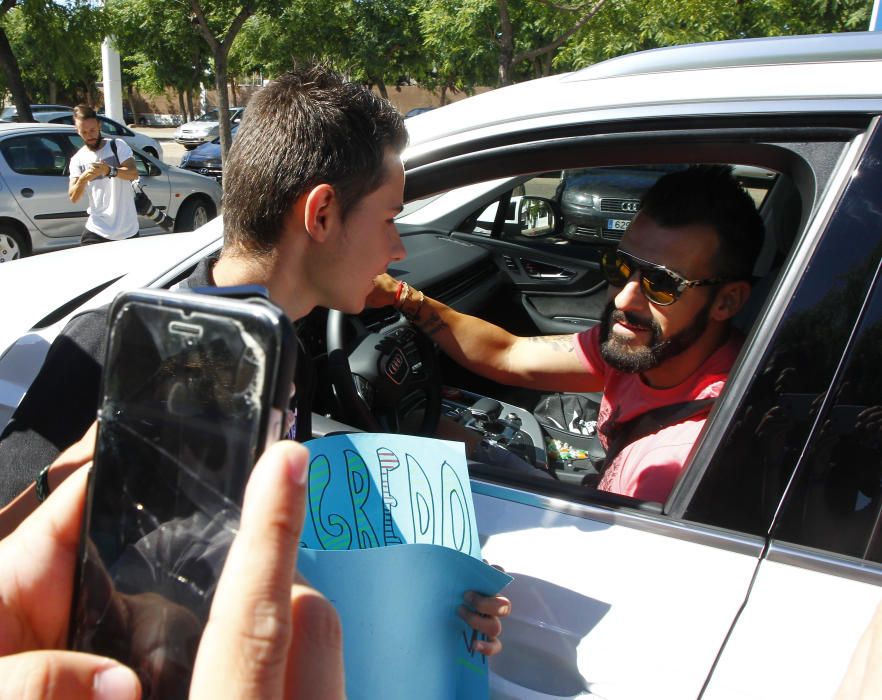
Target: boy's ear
731	297
319	209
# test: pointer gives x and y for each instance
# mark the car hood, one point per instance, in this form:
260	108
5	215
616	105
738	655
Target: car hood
112	266
210	151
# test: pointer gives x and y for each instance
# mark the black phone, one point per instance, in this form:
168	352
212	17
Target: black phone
194	388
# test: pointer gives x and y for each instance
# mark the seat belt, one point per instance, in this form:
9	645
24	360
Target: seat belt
647	424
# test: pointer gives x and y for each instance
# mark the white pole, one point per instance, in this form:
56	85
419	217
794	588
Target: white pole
876	18
112	80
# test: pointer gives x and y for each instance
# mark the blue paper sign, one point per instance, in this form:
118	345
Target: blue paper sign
390	539
370	490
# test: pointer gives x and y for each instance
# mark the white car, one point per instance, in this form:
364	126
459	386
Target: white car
758	575
109	129
36	214
205	128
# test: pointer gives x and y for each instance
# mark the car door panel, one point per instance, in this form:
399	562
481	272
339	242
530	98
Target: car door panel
561	294
35	170
796	635
637	608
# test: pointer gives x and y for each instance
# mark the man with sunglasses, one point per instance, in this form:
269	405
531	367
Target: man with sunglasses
682	270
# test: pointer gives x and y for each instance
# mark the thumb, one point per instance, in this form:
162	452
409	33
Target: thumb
67	675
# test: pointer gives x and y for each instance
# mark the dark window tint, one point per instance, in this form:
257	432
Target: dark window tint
34	155
836	502
743	485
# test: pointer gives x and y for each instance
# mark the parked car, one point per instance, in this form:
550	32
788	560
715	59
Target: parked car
10	114
417	110
35	212
109	129
205	159
205	128
759	573
128	117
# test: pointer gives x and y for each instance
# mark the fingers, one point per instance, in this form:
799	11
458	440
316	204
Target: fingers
80	452
244	649
482	614
315	658
67	675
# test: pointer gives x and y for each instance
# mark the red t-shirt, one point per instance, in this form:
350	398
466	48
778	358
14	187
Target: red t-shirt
647	468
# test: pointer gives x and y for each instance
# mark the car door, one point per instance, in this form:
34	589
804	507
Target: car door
35	168
613	597
820	580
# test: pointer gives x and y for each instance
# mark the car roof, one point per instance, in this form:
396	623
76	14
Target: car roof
15	127
834	72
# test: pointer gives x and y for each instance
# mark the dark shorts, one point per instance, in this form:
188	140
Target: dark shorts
90	237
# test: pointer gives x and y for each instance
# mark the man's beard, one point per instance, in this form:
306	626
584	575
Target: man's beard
97	146
624	357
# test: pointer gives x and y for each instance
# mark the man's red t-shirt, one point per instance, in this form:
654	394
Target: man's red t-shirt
649	466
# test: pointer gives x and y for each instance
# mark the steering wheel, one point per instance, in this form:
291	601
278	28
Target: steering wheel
379	376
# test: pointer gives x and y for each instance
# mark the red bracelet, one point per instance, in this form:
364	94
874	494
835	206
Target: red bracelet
398	293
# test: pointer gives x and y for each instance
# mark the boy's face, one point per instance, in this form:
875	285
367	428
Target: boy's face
366	242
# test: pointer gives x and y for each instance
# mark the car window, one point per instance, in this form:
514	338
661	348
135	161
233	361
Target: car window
66	119
209	116
766	438
111	129
141	164
34	155
837	503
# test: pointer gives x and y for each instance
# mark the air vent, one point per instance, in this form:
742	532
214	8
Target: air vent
451	290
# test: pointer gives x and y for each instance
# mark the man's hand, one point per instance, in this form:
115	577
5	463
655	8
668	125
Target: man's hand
96	170
383	293
264	636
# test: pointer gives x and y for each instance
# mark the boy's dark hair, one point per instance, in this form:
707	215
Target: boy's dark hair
82	111
306	128
710	195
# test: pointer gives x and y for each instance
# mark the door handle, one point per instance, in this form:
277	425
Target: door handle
27	192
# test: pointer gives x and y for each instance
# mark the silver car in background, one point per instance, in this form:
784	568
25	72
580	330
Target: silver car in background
36	214
205	128
110	128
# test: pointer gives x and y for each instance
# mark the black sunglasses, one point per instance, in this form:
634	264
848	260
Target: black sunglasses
659	285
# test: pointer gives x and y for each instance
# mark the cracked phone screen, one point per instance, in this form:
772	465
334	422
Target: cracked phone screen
179	430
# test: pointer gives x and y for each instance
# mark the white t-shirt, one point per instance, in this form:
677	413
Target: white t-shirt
111	199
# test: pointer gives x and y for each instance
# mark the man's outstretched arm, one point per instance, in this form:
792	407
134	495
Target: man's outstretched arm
546	363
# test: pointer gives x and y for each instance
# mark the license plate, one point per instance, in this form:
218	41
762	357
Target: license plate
617	224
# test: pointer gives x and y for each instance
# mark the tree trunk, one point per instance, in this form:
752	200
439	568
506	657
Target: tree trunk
443	95
53	92
182	107
223	106
13	80
130	98
381	86
233	91
506	44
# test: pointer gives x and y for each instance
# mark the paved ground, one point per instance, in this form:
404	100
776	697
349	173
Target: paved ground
171	151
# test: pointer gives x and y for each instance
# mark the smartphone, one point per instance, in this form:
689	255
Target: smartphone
194	388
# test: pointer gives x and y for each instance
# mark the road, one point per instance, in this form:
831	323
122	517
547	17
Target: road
171	151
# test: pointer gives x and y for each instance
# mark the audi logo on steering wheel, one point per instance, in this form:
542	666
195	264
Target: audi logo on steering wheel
396	366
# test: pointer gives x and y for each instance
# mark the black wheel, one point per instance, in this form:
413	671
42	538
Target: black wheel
190	146
379	378
142	121
195	212
13	245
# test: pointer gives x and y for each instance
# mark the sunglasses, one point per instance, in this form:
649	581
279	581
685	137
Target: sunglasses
659	285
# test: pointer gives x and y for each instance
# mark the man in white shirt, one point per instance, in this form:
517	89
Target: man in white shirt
105	169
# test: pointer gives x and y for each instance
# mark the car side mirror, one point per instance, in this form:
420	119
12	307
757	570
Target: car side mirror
535	216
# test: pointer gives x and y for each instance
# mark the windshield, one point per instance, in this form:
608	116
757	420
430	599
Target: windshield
209	116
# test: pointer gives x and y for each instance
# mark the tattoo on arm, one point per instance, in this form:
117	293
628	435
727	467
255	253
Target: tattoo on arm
432	324
558	343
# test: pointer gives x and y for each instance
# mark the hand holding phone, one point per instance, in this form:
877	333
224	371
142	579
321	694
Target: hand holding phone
307	660
194	389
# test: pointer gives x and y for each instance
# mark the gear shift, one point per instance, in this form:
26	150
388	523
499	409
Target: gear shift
485	411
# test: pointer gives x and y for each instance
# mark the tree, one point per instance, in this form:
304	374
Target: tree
159	48
218	22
